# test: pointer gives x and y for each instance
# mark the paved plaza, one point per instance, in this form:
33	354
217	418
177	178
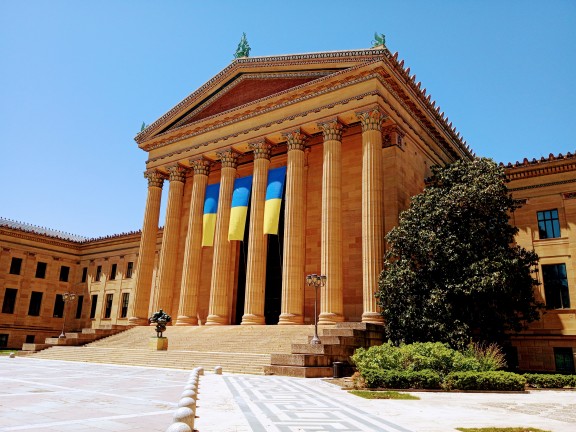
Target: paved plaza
50	396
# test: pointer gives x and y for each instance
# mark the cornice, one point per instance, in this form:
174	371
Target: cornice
545	166
38	237
329	57
539	185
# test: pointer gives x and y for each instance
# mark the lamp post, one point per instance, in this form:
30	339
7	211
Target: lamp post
316	281
67	297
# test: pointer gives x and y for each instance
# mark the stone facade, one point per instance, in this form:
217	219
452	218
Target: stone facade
357	136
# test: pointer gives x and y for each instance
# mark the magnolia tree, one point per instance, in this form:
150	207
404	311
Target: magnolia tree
452	272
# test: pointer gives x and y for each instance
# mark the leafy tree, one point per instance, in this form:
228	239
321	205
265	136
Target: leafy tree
452	272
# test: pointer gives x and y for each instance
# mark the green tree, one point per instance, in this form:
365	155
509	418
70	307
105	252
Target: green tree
452	272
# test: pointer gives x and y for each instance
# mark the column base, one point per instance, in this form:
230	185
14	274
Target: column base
138	321
372	318
216	320
184	320
251	319
329	319
290	319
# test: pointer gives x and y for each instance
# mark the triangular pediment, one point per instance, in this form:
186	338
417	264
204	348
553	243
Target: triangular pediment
244	89
249	80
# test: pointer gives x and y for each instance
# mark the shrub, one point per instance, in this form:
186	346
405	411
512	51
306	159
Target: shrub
494	380
379	378
490	357
385	356
550	380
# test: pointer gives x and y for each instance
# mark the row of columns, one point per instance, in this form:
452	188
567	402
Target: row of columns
293	277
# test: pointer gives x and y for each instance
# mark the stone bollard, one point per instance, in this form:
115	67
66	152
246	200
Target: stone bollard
12	355
187	402
179	427
189	393
218	370
184	415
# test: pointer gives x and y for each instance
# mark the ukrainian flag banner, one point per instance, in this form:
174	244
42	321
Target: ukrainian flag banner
273	201
240	199
210	209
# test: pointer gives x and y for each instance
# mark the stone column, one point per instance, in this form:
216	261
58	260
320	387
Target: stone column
292	309
218	312
372	210
331	296
169	250
191	270
257	240
144	271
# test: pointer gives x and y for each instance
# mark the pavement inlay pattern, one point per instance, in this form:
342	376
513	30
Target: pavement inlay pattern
288	404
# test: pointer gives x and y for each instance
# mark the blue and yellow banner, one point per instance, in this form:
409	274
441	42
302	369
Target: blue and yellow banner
274	190
210	209
239	211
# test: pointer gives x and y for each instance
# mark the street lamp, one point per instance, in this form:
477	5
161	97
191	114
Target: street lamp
316	281
67	297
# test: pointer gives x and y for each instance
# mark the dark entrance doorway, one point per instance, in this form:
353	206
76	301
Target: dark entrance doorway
273	295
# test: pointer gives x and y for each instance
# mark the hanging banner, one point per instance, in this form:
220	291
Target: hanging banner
239	210
274	191
209	218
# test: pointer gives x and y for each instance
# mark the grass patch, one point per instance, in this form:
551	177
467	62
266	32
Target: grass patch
367	394
7	352
501	429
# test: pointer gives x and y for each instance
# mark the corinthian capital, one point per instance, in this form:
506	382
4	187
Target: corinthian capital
295	140
261	149
371	119
228	158
155	178
332	130
177	173
201	165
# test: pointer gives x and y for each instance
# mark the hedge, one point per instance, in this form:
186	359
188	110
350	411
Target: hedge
550	380
381	378
495	380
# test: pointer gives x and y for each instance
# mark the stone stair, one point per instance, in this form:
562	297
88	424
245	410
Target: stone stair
238	349
338	343
75	338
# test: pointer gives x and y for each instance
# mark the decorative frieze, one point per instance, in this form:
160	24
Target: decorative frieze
393	136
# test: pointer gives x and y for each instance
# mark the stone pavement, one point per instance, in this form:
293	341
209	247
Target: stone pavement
48	395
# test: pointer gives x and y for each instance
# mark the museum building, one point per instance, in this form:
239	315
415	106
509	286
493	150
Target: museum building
279	167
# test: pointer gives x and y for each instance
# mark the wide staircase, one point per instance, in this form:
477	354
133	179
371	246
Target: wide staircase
238	349
272	350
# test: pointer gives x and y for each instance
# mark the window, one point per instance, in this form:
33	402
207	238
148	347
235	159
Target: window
64	272
564	359
129	269
58	306
16	266
3	340
93	306
113	272
30	338
556	286
108	309
548	224
79	306
9	300
125	300
41	270
35	303
84	274
98	273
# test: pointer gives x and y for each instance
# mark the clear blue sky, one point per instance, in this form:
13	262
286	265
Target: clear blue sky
78	78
